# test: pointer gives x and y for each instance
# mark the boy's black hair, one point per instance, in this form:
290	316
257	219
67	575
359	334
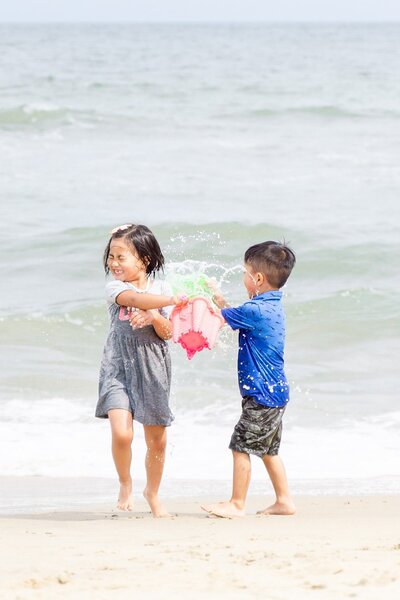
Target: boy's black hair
273	259
142	242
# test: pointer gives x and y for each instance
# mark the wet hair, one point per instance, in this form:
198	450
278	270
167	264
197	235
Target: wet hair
273	259
142	243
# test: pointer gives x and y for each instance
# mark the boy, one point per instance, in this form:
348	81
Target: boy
262	381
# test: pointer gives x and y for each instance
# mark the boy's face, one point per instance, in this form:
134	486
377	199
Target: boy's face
250	281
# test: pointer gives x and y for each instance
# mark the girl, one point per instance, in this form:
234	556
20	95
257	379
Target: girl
135	372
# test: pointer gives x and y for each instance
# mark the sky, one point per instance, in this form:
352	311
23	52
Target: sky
198	10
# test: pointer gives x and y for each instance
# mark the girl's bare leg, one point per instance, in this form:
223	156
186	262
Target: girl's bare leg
122	435
284	504
156	440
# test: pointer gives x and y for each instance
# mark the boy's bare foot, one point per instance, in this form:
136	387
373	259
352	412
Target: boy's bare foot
125	500
157	509
226	510
279	508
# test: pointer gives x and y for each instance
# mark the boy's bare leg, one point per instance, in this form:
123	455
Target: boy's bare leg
241	481
284	504
122	436
156	440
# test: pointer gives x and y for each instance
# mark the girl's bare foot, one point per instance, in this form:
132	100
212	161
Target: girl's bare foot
227	510
157	509
125	500
279	508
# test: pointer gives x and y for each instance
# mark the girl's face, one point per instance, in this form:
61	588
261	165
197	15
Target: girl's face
124	264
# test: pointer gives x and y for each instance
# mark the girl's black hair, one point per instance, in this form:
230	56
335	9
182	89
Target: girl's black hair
142	242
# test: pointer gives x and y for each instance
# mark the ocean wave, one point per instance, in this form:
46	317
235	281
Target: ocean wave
223	243
319	111
357	304
44	114
356	324
61	320
357	279
177	239
49	115
40	424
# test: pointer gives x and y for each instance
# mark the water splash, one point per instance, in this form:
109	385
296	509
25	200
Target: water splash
190	277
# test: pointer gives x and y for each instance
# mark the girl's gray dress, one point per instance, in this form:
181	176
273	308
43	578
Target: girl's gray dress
135	372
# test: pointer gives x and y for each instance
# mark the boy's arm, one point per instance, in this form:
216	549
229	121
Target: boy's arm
245	316
220	301
240	317
217	296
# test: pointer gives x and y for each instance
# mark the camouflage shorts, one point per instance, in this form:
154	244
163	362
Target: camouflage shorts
258	430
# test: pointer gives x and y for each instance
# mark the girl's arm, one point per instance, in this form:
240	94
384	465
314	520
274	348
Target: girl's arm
146	301
161	325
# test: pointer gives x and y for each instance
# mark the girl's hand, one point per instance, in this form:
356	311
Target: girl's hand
179	300
141	318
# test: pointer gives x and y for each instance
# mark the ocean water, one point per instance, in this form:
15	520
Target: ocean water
216	137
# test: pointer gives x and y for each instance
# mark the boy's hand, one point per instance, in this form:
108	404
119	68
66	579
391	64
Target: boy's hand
220	301
212	285
217	297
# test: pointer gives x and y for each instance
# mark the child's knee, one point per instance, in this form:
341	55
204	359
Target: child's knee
123	438
157	443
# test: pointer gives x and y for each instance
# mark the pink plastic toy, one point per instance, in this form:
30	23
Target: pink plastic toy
195	325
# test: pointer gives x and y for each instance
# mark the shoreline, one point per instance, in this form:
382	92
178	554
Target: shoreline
36	494
334	547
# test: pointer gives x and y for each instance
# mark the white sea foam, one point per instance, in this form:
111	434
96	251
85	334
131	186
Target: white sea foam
60	438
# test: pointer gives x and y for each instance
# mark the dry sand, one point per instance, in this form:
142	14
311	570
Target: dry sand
333	548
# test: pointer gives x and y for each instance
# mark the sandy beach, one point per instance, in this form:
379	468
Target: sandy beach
334	547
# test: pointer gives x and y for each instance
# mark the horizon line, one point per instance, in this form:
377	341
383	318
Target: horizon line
206	22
